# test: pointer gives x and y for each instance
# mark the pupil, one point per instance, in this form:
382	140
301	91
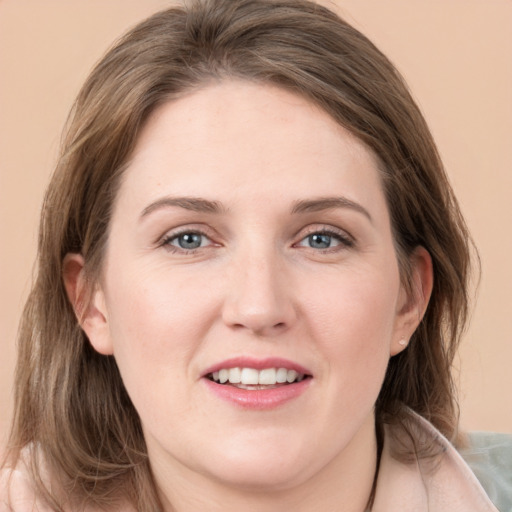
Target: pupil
190	241
320	241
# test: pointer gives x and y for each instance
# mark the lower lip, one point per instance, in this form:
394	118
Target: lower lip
258	399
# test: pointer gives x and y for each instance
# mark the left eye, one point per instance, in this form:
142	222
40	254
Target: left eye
323	241
187	241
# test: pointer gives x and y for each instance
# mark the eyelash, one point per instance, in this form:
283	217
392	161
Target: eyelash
168	239
345	240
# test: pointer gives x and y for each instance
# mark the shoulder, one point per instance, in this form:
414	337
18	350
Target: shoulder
489	456
421	471
17	492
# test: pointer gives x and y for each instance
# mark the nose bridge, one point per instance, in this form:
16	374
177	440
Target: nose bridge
258	297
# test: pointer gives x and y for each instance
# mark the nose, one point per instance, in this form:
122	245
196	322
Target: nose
259	296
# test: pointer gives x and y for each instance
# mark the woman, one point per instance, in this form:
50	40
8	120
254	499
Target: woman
252	281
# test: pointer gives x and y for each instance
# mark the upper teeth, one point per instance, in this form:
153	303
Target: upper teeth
248	376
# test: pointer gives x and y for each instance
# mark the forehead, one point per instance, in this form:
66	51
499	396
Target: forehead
243	139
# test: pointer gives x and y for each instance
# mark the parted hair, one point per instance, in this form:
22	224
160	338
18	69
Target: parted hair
72	412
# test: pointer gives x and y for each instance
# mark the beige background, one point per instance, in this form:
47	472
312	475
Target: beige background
457	58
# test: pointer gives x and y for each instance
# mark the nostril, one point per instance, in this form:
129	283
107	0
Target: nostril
261	318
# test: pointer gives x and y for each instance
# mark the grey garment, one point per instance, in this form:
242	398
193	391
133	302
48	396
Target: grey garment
489	456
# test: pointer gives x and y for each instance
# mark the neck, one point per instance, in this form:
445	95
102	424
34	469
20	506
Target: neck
344	483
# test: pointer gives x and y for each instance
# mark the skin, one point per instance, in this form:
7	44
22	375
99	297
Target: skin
257	286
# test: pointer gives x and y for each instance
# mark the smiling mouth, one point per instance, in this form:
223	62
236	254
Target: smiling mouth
252	379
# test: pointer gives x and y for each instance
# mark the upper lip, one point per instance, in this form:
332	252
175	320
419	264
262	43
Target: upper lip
257	364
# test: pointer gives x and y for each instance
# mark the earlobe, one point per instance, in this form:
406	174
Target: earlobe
413	301
88	303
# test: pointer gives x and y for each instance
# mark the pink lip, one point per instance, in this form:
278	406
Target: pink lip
259	399
257	364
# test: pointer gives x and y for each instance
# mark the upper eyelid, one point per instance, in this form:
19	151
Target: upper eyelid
325	228
173	236
181	230
178	232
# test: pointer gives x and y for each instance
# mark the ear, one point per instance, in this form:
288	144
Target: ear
88	303
413	303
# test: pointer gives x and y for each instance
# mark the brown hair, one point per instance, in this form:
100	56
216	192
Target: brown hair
72	410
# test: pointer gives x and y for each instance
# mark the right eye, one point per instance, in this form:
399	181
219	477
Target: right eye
322	240
186	241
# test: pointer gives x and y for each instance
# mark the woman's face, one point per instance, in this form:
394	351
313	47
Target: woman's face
250	240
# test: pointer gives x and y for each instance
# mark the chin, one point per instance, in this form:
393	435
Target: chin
261	477
270	466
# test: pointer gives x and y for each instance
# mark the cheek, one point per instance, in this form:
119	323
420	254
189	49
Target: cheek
359	310
156	327
155	307
353	322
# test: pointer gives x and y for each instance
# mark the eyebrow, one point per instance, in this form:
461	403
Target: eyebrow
195	204
200	205
328	203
